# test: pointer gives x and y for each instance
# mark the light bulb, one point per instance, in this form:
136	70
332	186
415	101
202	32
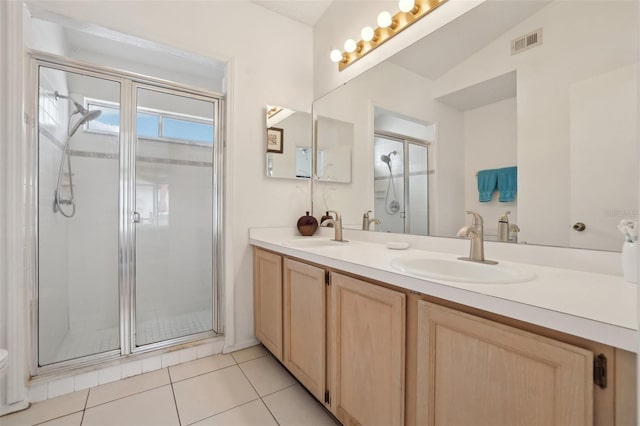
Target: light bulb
406	5
350	45
335	55
384	19
367	34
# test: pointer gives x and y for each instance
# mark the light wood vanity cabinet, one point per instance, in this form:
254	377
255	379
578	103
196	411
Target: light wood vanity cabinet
467	366
304	320
267	300
342	338
366	352
473	371
377	355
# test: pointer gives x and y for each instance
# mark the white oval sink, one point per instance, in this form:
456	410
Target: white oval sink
311	242
462	271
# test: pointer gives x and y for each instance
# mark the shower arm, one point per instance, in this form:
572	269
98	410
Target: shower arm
79	108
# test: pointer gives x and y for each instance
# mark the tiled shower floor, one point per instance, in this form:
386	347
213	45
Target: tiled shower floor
247	387
155	330
160	329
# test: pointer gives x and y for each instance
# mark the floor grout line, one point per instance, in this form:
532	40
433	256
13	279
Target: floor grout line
127	396
258	393
202	374
224	411
55	418
286	387
175	401
270	412
84	410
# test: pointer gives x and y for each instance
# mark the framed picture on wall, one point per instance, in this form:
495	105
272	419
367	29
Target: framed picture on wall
275	138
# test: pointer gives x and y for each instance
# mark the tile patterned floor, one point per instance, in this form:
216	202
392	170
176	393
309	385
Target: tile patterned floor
247	387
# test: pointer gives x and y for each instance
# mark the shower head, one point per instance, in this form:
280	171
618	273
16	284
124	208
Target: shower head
387	158
86	117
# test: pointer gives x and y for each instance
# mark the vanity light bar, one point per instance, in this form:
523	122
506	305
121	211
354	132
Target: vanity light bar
399	22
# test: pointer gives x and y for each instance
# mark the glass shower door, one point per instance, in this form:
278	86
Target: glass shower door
418	190
389	184
174	215
78	195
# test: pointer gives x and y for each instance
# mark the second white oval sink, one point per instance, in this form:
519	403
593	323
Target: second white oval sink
462	271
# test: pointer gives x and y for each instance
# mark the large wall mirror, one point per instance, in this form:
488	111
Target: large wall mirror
288	143
538	97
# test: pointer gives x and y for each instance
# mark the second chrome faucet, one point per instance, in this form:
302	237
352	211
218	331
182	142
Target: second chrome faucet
366	221
475	233
337	225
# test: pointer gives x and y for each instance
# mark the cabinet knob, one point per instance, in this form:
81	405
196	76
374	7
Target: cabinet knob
579	226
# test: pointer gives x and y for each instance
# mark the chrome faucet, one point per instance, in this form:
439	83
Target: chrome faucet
337	225
513	233
366	222
475	233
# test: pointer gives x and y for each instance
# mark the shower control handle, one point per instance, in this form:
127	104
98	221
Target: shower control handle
135	217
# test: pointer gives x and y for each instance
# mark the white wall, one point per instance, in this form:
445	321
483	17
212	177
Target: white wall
13	222
44	36
604	164
490	141
263	70
214	81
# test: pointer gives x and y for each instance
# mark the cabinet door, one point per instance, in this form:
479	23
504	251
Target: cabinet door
267	300
367	328
305	324
472	371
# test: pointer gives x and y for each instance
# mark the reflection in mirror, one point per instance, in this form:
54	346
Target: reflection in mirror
289	153
401	172
335	141
552	123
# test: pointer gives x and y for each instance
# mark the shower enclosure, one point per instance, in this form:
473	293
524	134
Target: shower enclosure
401	183
127	213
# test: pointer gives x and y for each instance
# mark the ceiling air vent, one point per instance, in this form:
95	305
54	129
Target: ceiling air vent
526	41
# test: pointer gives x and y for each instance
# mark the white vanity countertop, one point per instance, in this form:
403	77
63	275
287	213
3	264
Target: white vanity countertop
596	306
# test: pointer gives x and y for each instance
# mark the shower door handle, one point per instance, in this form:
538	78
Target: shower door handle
135	217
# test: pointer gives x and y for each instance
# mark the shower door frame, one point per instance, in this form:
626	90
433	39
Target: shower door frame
406	141
129	82
216	226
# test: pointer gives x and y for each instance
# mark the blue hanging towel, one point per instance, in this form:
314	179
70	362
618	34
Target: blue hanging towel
487	182
508	183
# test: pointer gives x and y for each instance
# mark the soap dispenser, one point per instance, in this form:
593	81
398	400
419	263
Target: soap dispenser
503	227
